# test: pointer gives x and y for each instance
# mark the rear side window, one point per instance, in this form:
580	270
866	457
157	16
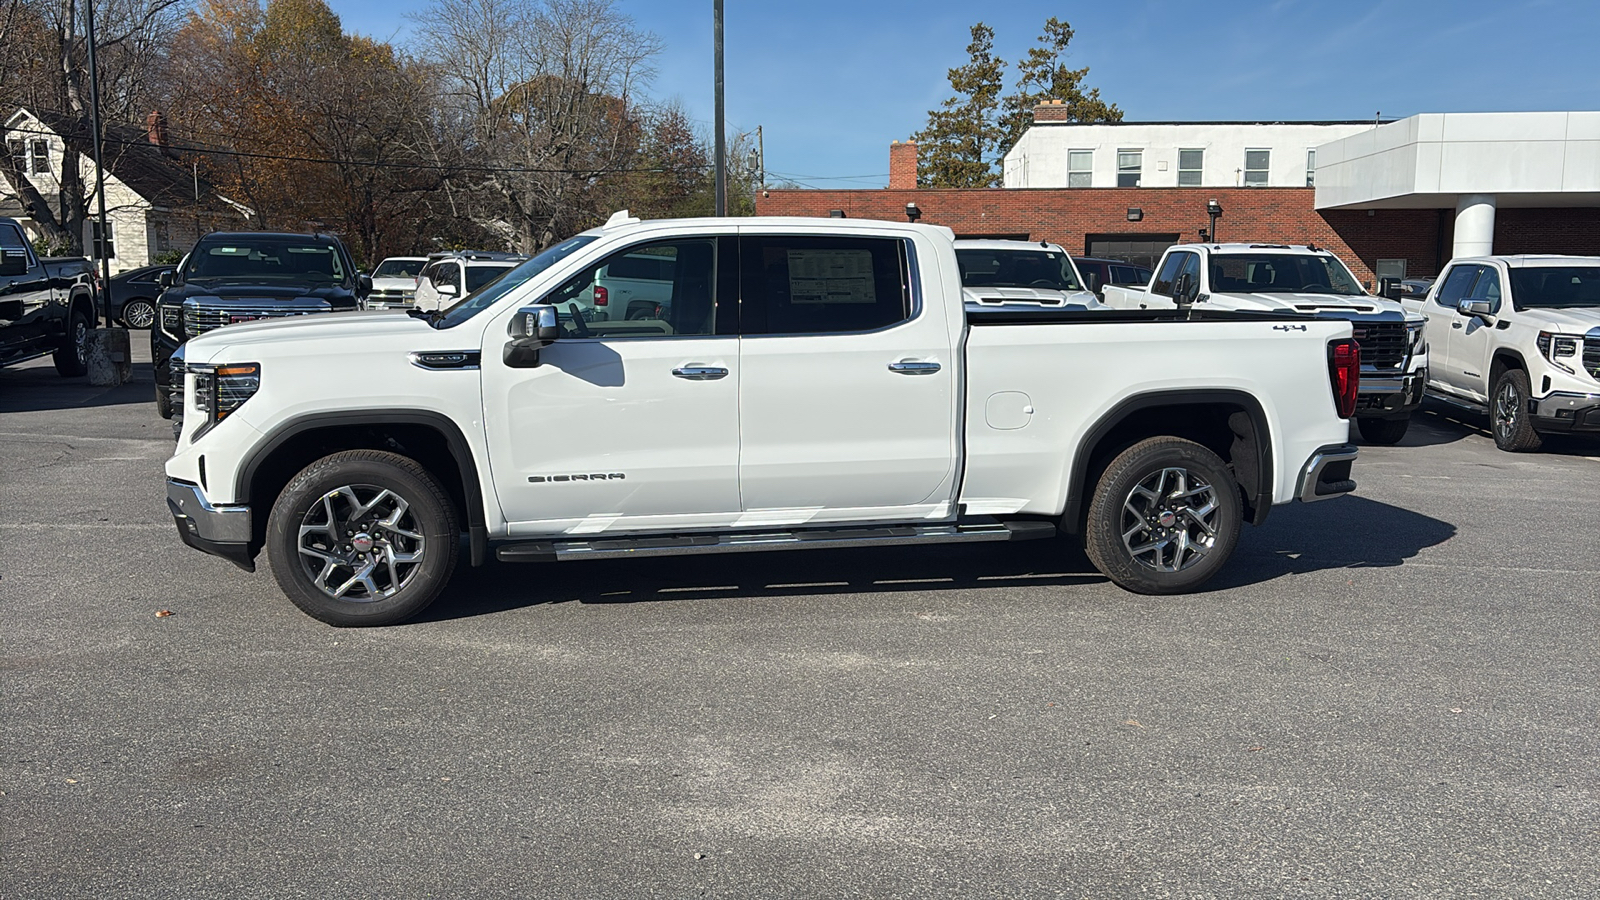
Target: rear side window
1455	287
822	285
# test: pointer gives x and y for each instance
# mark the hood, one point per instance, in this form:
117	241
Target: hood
337	326
1000	296
394	283
261	294
1571	320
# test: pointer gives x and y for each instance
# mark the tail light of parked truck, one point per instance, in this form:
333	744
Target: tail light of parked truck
1344	374
602	296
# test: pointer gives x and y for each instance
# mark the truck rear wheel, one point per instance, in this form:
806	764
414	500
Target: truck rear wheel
72	357
363	537
1164	518
1508	413
1383	431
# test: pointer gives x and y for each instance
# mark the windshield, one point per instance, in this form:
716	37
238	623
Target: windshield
265	259
1048	269
1281	273
1547	287
399	268
512	279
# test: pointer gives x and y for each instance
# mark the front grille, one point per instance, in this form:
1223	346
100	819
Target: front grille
1383	344
1591	354
201	319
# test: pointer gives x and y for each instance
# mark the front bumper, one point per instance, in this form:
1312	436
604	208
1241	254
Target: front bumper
1327	473
225	531
1390	397
1566	411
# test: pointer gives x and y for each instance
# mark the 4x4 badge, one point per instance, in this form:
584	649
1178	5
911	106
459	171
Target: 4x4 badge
1288	328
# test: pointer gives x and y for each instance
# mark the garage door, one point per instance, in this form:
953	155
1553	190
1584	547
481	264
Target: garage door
1142	249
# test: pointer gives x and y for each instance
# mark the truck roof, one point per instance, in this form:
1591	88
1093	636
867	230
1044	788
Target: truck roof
1000	244
621	221
1532	260
1242	247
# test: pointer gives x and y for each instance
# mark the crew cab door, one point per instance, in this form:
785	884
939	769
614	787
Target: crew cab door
1180	269
849	395
1446	324
1472	343
626	424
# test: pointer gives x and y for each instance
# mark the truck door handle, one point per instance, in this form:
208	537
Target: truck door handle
1455	324
913	367
700	373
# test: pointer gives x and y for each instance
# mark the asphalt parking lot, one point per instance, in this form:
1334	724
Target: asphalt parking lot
1391	694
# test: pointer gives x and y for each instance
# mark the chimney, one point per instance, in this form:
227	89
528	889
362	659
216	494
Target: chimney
903	166
1051	111
155	126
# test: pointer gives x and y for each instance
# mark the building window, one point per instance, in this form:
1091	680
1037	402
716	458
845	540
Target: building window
1130	164
1256	164
1080	168
19	155
41	157
105	244
1190	163
1311	168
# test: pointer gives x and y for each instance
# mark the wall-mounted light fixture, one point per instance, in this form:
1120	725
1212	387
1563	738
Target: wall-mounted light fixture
1135	214
912	213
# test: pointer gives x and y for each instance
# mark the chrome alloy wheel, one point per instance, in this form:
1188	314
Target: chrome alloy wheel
140	314
1507	405
360	543
1170	519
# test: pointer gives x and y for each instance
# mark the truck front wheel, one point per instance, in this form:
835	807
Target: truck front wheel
1164	518
362	537
72	357
1383	431
1508	413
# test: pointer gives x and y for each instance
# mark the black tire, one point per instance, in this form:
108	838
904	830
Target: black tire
139	314
340	497
163	401
1199	542
1508	413
1383	431
72	357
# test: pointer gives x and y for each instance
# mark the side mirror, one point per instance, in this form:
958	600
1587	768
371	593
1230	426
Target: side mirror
1483	309
445	290
532	329
164	278
1390	289
363	285
1183	289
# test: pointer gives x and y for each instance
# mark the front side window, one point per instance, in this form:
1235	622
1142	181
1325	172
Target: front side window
1191	268
1488	287
1130	165
1555	287
446	274
1169	274
1256	166
1016	268
677	298
822	285
12	245
41	156
1190	164
1455	287
1080	168
478	276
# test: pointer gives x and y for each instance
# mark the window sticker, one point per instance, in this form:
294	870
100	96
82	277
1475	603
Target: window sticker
831	276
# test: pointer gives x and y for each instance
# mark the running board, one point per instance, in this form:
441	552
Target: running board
808	539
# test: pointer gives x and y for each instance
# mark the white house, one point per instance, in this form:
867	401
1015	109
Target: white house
155	202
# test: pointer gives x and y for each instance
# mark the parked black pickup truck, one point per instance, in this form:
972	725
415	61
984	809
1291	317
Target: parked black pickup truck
240	277
46	305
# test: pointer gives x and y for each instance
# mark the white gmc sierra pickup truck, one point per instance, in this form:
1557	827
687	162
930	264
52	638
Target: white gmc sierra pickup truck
1518	336
1293	278
812	383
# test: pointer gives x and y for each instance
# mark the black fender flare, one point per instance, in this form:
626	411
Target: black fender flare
1260	493
455	441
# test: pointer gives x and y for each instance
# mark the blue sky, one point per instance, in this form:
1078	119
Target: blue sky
832	82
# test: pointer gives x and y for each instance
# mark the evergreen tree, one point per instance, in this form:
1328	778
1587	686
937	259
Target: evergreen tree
959	147
1044	76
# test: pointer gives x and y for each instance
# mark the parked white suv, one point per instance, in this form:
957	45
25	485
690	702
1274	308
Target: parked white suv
394	282
1518	336
1026	275
449	277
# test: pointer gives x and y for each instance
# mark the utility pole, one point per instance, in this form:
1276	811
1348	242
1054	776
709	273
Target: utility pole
99	167
722	142
761	159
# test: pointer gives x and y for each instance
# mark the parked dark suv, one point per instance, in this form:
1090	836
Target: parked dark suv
239	277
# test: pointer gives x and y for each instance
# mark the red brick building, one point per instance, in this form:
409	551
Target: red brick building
1129	222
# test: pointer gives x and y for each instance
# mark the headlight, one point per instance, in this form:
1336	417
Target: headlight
221	389
172	321
1414	335
1556	347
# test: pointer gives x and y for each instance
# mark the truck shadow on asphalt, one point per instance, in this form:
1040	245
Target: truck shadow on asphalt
1351	532
36	388
1439	423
